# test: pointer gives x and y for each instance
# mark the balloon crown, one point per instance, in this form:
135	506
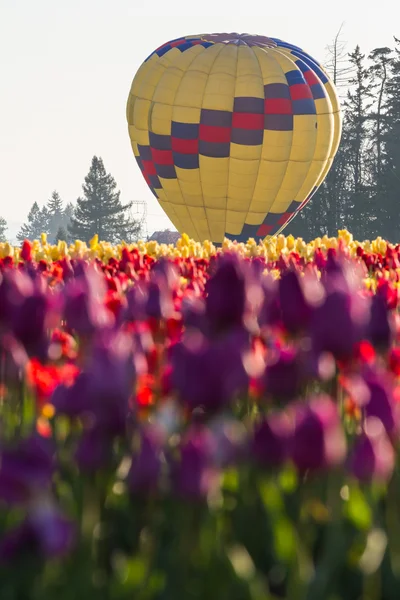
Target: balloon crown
240	39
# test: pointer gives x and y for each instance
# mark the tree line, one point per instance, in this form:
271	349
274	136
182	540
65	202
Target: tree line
98	211
362	190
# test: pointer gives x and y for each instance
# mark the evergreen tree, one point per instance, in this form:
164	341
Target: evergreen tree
324	213
379	73
68	214
100	210
358	212
3	229
61	235
362	189
66	218
55	212
36	225
392	149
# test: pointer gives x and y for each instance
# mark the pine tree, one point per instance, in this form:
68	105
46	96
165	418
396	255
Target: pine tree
36	225
99	211
358	213
379	73
3	229
61	235
392	149
362	189
55	211
68	214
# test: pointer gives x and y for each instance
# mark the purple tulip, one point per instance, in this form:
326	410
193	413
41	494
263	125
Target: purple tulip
136	298
295	309
270	311
73	401
334	265
24	468
226	294
84	309
163	279
54	531
149	299
44	530
318	440
283	378
15	288
194	314
79	268
165	272
338	324
380	403
272	440
373	456
144	474
230	441
19	541
110	382
29	324
94	451
210	373
379	330
159	303
194	475
102	391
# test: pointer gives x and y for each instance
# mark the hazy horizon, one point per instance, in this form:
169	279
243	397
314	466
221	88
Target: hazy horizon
67	71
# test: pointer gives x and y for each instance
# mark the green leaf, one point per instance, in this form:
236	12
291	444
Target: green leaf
231	480
134	571
357	509
285	541
271	496
288	479
28	412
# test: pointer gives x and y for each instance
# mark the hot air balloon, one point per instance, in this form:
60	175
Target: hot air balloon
233	132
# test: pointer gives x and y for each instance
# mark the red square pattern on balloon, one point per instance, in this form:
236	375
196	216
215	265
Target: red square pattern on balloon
278	106
300	91
284	218
311	77
149	167
247	121
185	146
264	230
162	157
210	133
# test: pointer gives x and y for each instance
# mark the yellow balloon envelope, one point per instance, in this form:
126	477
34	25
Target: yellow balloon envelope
233	132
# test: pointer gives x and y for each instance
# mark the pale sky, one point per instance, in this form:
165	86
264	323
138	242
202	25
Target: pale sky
66	67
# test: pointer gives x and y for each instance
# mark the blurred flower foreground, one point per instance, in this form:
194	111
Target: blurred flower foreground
191	422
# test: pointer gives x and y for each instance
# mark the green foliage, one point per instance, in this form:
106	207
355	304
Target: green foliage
61	235
37	224
361	190
100	210
3	229
55	211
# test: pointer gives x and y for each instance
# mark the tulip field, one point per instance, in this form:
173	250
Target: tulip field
192	422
